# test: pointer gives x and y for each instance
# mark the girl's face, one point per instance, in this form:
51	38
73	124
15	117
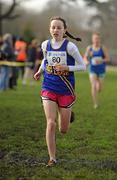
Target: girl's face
57	30
96	39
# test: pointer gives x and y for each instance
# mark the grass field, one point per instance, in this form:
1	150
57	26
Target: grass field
88	151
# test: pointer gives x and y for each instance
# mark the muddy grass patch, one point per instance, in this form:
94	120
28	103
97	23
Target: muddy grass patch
18	158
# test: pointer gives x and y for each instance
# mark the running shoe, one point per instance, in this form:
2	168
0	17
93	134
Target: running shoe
51	163
96	106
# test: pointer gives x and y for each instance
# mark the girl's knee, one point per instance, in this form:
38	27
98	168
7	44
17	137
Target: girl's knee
64	121
63	130
51	125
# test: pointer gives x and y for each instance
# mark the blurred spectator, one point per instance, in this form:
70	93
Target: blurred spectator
8	54
31	58
21	53
1	41
1	53
39	58
14	73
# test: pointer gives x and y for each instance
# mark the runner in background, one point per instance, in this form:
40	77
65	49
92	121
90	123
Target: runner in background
96	57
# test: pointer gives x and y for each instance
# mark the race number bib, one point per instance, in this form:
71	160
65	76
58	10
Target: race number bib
97	60
56	57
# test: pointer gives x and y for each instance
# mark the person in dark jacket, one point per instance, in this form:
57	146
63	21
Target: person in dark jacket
31	58
5	70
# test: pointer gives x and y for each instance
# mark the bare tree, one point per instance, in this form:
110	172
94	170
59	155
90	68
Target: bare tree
105	11
9	14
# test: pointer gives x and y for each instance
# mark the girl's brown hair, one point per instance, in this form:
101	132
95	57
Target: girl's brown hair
65	26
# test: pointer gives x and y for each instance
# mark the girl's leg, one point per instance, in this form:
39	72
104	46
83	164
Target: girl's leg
93	81
50	109
64	119
99	84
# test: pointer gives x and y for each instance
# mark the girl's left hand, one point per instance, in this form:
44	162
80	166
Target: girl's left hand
61	68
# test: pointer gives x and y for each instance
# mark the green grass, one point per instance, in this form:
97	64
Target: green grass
88	151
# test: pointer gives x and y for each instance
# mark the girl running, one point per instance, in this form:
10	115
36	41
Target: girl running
96	56
61	59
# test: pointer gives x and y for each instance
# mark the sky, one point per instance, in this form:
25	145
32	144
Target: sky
38	5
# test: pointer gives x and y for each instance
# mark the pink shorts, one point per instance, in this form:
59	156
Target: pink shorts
64	101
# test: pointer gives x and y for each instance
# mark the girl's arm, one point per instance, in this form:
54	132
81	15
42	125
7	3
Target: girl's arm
79	63
87	55
38	74
41	68
106	54
74	52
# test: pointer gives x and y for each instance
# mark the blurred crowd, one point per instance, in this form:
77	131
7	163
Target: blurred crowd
18	59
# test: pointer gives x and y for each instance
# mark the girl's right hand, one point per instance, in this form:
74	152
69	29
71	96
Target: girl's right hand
37	75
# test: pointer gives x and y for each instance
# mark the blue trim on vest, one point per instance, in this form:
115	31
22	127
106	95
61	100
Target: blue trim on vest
62	48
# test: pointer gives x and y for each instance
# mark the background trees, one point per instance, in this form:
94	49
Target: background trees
82	16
